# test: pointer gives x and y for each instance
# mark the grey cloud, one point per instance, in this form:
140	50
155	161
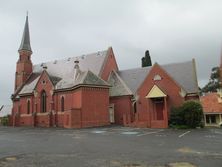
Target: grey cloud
172	30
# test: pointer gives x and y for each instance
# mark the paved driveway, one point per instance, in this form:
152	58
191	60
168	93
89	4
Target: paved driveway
110	146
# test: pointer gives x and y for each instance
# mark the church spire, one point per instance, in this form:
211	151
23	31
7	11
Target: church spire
25	43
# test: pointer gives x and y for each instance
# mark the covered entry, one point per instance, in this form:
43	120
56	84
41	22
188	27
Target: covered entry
157	100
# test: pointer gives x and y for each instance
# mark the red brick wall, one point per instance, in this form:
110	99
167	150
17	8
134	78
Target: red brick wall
48	87
109	65
60	119
42	120
23	104
25	120
23	68
72	118
95	104
122	106
166	84
72	99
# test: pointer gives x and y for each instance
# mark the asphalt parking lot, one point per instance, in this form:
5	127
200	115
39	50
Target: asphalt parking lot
110	146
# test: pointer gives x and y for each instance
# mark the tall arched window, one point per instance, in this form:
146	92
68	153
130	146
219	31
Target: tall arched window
62	104
43	101
28	107
134	107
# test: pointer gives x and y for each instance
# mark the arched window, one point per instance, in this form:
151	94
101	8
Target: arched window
43	101
28	107
134	107
62	104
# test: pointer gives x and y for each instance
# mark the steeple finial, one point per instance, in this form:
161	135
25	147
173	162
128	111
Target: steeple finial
25	43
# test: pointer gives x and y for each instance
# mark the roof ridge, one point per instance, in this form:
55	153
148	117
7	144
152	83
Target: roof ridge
153	65
66	58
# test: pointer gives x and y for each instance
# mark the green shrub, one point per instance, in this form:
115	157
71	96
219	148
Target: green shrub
176	116
192	114
5	120
189	115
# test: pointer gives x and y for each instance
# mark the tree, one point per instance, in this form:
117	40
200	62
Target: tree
146	60
214	83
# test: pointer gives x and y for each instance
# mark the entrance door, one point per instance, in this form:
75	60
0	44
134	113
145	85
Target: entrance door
157	118
111	114
159	111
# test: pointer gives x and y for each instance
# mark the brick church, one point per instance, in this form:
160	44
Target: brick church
90	90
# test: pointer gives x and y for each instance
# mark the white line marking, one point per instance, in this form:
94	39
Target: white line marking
150	133
184	134
218	132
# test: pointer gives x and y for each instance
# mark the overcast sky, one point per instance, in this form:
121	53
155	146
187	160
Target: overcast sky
173	31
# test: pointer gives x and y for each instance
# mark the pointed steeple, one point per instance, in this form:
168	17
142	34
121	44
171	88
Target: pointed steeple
25	43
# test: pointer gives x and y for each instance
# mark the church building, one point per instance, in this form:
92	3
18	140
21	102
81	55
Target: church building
90	90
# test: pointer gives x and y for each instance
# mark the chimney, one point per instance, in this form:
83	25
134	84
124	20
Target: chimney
76	69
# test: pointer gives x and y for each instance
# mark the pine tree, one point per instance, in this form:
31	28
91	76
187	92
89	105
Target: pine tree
146	61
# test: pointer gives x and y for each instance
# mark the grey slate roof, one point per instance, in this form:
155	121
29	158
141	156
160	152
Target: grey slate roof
25	43
134	77
183	73
61	72
65	68
119	88
85	78
30	84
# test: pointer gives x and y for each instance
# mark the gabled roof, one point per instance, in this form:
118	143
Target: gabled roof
84	78
119	88
183	73
134	77
61	72
30	83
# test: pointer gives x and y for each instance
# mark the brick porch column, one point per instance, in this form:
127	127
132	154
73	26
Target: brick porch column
165	112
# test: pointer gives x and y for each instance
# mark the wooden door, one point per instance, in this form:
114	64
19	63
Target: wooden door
159	111
111	114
